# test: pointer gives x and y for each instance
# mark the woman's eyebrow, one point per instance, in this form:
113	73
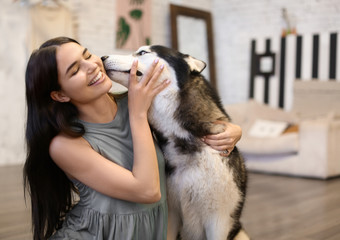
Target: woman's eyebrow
75	62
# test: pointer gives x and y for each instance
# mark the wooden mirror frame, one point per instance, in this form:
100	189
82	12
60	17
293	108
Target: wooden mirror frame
176	11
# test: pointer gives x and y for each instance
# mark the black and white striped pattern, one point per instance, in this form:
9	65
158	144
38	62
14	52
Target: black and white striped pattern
303	57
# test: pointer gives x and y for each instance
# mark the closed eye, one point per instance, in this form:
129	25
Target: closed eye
75	65
75	71
87	55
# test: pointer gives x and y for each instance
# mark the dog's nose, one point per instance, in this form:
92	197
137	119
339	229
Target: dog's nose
104	58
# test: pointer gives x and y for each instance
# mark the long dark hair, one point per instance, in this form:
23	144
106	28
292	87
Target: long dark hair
51	192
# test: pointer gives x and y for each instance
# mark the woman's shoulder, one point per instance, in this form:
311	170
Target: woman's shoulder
62	138
62	142
69	152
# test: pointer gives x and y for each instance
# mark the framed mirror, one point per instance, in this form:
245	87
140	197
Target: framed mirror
191	33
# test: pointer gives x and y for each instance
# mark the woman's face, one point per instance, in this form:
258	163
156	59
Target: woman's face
81	75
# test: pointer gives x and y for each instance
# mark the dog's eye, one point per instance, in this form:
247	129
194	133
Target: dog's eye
142	53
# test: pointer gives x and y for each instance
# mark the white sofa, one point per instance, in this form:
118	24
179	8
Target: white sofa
311	148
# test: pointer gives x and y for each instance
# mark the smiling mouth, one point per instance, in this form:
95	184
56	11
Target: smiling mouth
97	78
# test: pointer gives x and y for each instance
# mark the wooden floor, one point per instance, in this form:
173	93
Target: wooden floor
14	215
277	208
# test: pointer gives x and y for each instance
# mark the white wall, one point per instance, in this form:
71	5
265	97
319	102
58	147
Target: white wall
235	23
13	55
97	26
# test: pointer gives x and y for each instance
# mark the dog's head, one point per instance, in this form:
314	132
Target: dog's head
178	66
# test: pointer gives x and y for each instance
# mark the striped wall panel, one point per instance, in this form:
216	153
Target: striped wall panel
309	57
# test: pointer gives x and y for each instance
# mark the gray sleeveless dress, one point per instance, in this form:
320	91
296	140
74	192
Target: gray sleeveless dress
97	216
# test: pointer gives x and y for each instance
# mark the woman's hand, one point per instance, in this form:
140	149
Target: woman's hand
141	93
145	166
224	141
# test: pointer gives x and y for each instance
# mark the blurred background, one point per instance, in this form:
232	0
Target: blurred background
272	60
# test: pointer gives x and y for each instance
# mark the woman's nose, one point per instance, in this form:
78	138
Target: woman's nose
104	58
91	66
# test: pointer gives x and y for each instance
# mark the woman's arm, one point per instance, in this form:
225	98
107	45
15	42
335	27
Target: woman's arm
225	140
141	94
79	161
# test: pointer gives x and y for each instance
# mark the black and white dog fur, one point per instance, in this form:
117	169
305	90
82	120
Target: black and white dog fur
206	191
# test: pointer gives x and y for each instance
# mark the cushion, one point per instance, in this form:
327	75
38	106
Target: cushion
245	114
316	98
284	144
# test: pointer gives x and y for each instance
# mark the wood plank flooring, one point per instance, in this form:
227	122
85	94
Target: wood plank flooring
285	208
14	215
277	208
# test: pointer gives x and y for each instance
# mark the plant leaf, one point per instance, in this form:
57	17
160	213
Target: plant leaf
136	14
122	33
147	41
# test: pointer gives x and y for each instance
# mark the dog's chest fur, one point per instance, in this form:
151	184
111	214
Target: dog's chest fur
179	119
199	181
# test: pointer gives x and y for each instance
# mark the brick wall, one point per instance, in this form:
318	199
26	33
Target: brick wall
97	26
235	24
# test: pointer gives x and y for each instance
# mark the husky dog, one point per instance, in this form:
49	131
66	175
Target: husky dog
206	191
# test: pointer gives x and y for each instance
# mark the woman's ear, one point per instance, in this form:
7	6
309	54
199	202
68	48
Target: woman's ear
59	96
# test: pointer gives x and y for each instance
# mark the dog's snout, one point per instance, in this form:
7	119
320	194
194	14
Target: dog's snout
104	58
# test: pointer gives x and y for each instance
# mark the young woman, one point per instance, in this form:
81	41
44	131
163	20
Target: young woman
84	141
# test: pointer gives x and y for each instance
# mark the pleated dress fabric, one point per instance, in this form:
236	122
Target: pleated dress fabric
97	216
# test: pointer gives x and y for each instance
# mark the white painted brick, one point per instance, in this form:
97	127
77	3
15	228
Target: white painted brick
248	19
235	23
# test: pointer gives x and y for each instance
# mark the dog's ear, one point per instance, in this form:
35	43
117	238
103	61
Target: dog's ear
195	64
